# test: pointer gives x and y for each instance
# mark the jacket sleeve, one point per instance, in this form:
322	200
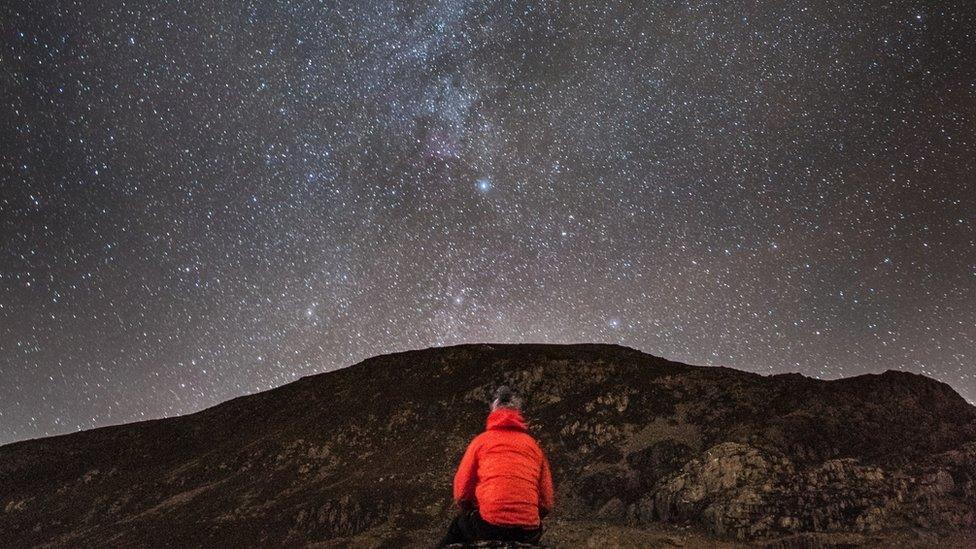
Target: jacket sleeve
466	477
546	497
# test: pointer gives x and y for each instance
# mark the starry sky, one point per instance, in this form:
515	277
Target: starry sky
205	199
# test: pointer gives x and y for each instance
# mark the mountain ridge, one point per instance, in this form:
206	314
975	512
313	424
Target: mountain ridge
785	375
364	455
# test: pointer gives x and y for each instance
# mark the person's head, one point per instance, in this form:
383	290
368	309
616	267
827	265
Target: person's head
504	397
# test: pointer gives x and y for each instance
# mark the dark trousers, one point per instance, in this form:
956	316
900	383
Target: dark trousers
468	527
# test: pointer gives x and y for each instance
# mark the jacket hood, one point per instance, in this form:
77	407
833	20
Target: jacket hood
506	418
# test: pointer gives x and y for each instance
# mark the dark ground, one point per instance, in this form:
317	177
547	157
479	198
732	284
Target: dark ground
645	452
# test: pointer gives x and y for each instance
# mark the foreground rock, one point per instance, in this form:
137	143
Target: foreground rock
645	452
741	491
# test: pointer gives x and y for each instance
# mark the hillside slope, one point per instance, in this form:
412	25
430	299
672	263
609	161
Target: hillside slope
644	451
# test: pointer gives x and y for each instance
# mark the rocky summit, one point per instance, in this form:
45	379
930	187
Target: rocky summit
645	452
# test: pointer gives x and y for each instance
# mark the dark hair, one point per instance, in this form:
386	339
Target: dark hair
504	397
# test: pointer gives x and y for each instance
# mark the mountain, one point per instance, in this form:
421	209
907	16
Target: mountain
644	452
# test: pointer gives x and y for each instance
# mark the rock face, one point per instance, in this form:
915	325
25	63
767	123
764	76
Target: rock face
365	456
741	491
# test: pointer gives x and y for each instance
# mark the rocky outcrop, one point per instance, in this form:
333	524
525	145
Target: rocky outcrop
741	491
644	451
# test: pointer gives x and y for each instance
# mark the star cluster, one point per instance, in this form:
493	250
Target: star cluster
204	199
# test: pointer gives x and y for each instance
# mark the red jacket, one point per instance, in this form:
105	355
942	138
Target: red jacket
505	472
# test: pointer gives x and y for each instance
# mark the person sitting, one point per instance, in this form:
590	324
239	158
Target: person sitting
503	485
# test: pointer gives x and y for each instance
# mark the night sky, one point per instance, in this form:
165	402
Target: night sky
204	199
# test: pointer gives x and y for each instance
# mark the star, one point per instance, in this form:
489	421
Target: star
185	192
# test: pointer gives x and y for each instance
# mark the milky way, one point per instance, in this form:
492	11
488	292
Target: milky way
205	199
